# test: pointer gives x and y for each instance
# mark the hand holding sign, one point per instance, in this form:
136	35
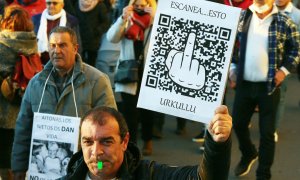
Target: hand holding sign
184	70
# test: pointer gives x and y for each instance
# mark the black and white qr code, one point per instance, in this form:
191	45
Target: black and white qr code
209	44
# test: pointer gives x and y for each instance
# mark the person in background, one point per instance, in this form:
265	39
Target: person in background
16	38
93	18
134	45
120	6
54	15
105	140
69	6
285	7
66	86
266	50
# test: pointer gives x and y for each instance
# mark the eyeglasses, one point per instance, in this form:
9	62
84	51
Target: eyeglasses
49	3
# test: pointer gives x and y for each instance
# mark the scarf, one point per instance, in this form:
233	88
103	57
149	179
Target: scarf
42	33
137	25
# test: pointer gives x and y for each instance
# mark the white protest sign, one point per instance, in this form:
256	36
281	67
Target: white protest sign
54	140
188	58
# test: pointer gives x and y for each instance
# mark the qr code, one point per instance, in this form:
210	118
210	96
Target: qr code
203	64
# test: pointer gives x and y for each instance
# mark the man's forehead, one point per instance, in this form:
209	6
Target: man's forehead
59	37
109	125
93	130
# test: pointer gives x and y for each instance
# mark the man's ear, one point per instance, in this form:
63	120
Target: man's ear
125	141
76	48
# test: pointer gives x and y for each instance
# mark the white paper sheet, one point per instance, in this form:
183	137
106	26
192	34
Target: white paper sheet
59	132
188	58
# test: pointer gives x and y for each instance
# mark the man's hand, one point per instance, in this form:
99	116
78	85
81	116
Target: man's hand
279	77
184	70
19	175
221	124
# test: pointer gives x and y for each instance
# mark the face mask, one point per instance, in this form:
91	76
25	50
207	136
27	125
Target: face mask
261	9
139	12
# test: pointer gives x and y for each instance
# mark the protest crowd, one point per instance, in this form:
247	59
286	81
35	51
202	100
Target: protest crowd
63	57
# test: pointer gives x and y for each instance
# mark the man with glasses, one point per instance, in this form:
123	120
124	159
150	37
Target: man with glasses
54	15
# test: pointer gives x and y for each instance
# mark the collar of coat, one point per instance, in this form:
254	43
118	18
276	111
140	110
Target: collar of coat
78	69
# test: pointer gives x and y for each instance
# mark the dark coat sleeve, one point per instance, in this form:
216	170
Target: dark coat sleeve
214	165
216	159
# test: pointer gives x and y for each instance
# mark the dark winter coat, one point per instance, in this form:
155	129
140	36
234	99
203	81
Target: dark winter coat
92	24
215	165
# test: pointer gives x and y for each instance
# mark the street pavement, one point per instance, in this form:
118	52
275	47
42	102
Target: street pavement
180	150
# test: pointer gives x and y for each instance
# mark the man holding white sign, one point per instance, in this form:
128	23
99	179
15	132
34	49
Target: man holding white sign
66	87
107	153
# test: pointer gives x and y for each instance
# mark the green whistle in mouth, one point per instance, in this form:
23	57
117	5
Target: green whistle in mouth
100	165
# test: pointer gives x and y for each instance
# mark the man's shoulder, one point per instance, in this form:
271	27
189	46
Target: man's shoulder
92	72
36	81
284	19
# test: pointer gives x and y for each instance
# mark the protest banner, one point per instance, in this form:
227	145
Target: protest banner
188	58
54	140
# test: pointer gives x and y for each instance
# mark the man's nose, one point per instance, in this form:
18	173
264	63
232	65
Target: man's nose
97	149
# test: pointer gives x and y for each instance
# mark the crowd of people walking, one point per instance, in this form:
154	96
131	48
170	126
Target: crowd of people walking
67	42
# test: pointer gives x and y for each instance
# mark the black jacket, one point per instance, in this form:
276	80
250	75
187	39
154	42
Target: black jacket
92	24
214	165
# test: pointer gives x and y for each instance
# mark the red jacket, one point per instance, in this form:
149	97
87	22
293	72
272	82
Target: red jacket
32	6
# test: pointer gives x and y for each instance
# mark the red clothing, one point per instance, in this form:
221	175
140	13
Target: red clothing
34	8
244	4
